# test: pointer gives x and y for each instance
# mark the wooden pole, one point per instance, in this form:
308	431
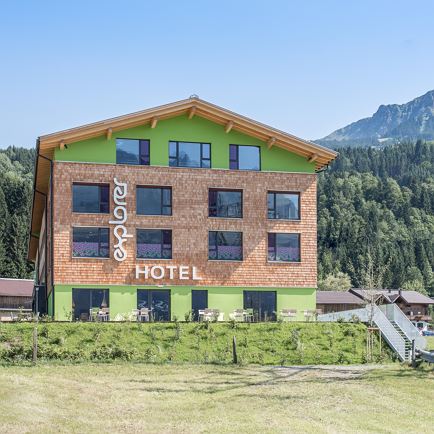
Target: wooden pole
35	343
234	350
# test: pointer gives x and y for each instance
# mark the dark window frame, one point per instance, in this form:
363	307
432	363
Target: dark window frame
202	158
162	205
230	190
161	243
216	247
274	192
196	316
273	315
275	248
90	292
149	291
237	160
146	156
92	184
99	242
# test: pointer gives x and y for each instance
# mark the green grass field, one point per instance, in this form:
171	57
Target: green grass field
127	397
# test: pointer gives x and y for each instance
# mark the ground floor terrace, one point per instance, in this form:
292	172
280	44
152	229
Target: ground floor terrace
161	303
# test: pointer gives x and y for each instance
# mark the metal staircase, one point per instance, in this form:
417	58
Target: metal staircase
396	329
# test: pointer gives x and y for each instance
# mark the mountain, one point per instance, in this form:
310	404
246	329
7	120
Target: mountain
389	124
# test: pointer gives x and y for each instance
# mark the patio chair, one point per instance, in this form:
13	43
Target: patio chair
84	316
104	314
135	313
211	315
238	315
249	314
309	314
200	314
288	314
93	313
144	314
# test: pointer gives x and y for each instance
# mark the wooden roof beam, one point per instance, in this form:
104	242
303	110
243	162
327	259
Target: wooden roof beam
62	145
271	142
313	158
229	126
192	112
109	133
154	122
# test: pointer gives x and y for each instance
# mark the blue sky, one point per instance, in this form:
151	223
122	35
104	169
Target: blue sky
307	67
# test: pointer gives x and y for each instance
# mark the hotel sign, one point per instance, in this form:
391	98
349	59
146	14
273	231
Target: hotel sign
120	217
171	272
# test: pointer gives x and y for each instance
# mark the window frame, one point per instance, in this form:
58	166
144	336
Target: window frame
162	188
161	243
274	192
275	252
230	190
237	161
91	184
148	156
216	246
202	158
99	242
150	299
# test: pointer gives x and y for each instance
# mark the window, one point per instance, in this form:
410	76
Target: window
86	300
154	200
284	247
157	301
154	244
262	304
283	205
226	246
90	198
189	154
225	203
132	151
244	157
199	301
90	242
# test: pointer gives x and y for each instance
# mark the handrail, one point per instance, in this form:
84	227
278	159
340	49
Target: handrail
394	313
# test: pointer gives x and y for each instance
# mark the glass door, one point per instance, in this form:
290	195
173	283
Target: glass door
262	303
83	300
199	301
156	300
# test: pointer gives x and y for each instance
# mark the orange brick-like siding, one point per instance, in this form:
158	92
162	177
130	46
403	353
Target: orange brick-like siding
190	225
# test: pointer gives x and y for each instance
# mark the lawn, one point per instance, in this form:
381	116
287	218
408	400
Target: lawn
128	397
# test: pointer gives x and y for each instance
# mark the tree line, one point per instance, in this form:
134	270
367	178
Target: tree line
375	213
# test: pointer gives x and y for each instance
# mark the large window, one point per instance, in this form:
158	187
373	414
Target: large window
90	198
262	303
244	157
132	151
284	247
225	203
189	154
154	244
283	205
226	246
90	242
154	201
158	301
86	300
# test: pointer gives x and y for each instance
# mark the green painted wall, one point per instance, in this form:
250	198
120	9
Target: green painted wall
101	150
124	298
50	303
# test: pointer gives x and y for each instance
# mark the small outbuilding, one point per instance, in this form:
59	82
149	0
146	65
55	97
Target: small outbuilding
337	301
15	297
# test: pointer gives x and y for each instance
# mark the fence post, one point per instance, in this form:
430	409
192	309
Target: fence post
35	343
234	350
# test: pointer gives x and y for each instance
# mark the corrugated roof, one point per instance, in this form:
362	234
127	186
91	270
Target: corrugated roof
16	287
337	297
392	295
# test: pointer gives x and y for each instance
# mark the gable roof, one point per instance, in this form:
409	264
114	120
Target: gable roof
16	287
392	295
192	106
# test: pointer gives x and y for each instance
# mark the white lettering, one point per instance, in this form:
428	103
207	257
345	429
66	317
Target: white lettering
157	276
171	269
120	214
183	272
139	271
195	276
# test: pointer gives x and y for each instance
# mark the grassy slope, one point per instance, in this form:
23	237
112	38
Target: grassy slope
266	343
122	397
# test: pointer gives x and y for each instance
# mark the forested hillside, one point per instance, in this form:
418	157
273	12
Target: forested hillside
376	216
16	182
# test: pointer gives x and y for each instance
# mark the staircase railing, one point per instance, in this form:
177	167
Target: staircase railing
395	314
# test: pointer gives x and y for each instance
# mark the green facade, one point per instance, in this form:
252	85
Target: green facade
124	298
102	150
180	128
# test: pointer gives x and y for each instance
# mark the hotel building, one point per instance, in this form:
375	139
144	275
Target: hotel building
178	208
